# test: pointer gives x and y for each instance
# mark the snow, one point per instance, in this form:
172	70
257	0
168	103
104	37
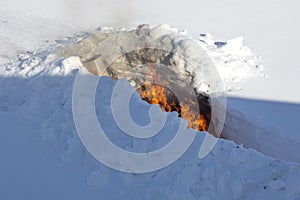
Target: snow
269	28
267	138
28	33
233	60
284	115
30	171
35	106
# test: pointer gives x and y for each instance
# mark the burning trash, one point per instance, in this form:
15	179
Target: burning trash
166	68
158	94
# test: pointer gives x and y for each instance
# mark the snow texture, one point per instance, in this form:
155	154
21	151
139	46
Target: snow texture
38	86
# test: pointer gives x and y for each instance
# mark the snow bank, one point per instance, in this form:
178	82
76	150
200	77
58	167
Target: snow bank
266	138
39	87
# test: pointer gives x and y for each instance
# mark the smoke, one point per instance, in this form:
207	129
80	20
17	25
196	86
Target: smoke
85	13
99	12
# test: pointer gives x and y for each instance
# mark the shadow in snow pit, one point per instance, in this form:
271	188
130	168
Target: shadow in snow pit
268	127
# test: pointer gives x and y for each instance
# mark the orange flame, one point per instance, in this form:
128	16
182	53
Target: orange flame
157	94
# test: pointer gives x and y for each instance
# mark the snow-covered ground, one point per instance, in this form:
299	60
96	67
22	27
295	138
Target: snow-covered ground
270	29
35	106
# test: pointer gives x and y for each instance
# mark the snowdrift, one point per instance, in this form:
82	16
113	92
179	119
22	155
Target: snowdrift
39	87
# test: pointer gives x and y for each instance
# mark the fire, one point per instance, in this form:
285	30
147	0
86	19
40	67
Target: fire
158	94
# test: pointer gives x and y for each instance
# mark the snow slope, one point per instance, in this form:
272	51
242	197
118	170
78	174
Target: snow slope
282	114
29	171
228	164
35	103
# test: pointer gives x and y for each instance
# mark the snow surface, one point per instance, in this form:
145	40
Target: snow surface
27	33
35	102
227	172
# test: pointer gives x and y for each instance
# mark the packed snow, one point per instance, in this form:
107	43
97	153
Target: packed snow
36	87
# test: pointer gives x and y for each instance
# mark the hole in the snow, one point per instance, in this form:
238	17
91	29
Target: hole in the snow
151	72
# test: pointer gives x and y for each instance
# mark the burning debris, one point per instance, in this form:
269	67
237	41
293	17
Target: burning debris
168	69
158	94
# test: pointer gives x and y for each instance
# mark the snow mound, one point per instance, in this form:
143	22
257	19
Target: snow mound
39	87
190	57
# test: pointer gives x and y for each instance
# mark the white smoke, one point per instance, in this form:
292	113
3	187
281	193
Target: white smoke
85	13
